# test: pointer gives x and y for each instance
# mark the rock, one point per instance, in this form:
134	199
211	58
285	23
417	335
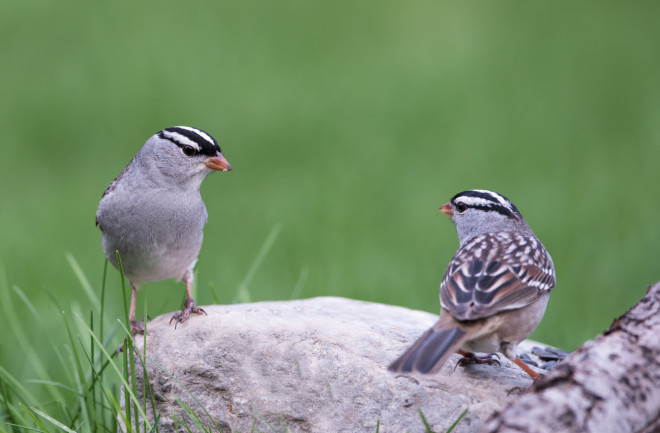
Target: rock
314	365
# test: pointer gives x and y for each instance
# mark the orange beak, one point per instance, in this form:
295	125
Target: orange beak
218	163
446	209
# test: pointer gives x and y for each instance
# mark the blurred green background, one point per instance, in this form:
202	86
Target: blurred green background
348	125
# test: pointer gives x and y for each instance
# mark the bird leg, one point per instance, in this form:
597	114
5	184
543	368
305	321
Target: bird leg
188	308
136	328
520	363
470	358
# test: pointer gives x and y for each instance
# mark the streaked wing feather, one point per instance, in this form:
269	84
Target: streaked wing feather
494	273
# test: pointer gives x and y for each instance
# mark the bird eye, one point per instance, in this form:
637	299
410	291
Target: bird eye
461	207
189	150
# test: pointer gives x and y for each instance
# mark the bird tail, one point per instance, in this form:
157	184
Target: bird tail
431	350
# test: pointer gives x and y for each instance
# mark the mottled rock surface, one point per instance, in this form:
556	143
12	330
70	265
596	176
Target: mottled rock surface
314	365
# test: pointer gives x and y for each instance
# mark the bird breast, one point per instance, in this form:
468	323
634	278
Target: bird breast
158	236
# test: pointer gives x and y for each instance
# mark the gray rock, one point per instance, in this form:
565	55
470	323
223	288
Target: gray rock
314	365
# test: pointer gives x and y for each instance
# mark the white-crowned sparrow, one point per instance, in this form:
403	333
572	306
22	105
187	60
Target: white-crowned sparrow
153	213
495	290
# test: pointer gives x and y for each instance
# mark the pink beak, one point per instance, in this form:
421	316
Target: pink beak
218	163
446	209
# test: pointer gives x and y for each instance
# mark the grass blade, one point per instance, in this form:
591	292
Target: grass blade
460	417
127	386
22	339
171	376
84	282
242	294
302	279
34	418
52	420
427	426
15	385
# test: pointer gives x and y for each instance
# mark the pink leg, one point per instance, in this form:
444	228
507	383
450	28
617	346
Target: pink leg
136	328
534	375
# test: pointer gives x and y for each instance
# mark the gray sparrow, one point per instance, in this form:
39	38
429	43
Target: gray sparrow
153	214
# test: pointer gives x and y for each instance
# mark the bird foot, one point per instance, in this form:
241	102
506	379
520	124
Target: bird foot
188	308
137	327
470	358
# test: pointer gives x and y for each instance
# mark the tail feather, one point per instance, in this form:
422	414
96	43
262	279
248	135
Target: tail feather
430	351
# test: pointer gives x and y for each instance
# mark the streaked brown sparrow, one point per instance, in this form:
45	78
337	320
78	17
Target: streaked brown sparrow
495	289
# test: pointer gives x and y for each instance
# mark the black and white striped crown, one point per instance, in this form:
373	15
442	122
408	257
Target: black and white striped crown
182	136
488	201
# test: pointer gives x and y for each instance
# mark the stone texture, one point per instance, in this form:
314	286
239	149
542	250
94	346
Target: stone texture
315	365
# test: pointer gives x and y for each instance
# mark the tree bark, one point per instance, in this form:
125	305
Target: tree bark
610	384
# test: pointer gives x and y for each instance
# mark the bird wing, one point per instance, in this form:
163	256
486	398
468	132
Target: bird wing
496	272
111	188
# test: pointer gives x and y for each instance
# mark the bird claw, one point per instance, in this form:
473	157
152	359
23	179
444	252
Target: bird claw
471	358
137	328
188	308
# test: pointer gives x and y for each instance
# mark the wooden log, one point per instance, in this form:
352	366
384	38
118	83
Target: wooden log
610	384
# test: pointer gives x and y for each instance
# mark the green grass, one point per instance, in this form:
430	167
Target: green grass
84	396
348	124
81	395
427	425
